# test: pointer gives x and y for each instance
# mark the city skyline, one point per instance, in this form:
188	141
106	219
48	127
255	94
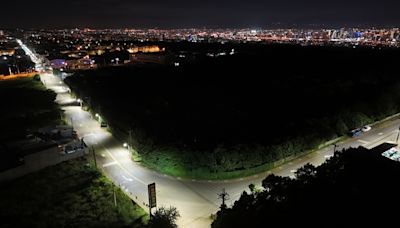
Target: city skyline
188	14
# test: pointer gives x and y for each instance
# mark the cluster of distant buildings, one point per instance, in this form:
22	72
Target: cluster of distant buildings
93	57
13	60
81	49
370	36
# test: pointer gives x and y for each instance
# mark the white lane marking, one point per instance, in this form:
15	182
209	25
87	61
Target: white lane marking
383	137
126	178
123	168
380	133
362	141
328	156
293	171
110	163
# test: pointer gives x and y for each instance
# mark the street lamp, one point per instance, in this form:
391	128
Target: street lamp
80	102
126	145
98	117
334	148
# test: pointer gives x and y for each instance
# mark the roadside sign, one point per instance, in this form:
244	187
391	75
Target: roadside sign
152	195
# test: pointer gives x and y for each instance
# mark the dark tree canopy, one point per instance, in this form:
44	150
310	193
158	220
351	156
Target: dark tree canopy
164	218
234	113
355	187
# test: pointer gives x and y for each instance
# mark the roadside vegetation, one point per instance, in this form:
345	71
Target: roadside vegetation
26	106
350	189
71	194
237	115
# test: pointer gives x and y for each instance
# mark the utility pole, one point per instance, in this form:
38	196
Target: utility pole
334	148
94	157
224	196
398	134
130	140
115	196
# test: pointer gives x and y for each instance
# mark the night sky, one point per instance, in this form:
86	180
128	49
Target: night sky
199	13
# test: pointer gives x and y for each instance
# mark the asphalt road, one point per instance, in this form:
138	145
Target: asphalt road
195	200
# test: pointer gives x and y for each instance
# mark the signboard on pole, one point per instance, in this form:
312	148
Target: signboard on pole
152	195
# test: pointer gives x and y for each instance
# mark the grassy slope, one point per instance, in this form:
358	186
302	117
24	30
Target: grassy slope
71	194
28	105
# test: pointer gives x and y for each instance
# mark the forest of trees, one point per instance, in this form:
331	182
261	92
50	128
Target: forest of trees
235	113
355	187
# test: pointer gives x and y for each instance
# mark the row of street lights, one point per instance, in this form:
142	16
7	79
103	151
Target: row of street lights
98	117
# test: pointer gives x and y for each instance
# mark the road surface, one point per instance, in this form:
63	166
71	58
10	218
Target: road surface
195	200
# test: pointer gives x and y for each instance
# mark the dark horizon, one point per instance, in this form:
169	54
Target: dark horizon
186	14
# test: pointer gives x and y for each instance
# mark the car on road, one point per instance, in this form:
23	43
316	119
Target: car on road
356	132
103	124
366	128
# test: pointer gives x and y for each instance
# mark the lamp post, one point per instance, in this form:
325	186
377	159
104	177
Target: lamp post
80	102
334	148
126	145
98	117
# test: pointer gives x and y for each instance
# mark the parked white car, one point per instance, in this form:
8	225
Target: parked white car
366	128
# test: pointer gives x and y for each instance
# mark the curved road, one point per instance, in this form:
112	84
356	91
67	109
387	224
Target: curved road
195	200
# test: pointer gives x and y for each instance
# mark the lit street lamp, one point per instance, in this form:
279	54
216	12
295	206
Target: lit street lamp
98	117
126	145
